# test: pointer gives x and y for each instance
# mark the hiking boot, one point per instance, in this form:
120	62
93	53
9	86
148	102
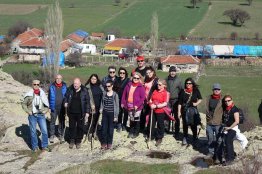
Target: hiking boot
51	139
103	147
61	139
130	135
71	145
78	145
135	135
109	146
158	142
184	142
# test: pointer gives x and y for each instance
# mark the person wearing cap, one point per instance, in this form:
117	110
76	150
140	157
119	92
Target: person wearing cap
174	86
141	67
36	105
214	112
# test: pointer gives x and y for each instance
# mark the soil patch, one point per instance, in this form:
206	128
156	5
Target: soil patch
19	9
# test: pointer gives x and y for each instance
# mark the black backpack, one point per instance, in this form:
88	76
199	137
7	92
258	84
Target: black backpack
241	116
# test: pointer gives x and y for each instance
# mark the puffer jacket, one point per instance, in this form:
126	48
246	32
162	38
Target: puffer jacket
52	95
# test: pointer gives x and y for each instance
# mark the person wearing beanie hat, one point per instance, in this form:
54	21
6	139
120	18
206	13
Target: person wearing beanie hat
174	86
141	67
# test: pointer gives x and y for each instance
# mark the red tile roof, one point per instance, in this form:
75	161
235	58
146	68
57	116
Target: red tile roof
180	59
34	42
98	35
65	44
74	37
27	35
124	43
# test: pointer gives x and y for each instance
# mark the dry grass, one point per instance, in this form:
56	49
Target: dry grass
19	9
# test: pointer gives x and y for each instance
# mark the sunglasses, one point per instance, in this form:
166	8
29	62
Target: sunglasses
122	73
216	89
226	101
109	86
112	72
135	78
36	84
140	61
189	83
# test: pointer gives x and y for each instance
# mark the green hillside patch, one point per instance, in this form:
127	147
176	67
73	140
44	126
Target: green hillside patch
214	24
174	16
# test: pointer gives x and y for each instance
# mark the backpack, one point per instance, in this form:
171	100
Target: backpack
241	116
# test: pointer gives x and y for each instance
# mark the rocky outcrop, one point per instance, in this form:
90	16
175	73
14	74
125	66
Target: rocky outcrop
16	157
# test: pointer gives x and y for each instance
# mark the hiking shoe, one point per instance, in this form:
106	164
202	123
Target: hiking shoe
135	135
130	135
118	129
124	128
35	150
71	145
46	149
51	139
184	142
210	155
61	139
158	142
103	147
78	145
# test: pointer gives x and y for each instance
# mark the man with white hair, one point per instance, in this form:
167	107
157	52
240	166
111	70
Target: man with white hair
77	103
36	105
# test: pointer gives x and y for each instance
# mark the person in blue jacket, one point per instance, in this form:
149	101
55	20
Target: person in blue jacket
57	91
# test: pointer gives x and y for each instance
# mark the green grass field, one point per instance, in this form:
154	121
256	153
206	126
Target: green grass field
214	24
243	83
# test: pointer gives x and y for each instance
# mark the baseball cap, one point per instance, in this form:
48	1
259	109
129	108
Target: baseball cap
139	58
216	86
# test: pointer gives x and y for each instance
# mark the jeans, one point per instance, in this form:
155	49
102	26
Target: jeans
212	133
33	120
61	126
107	127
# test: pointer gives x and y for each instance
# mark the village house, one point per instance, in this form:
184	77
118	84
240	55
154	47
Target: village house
183	63
121	47
97	36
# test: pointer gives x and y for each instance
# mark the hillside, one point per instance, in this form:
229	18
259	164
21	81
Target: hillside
130	18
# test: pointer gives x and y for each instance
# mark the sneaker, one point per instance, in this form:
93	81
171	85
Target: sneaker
71	145
184	142
109	146
103	147
35	150
158	142
78	145
46	149
51	139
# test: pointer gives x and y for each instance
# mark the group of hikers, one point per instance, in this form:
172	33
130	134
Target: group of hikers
149	104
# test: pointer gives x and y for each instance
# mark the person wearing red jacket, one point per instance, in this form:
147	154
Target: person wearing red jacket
157	103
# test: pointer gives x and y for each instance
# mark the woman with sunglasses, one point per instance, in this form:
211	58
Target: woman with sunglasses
189	97
95	91
132	100
157	102
119	87
230	120
110	110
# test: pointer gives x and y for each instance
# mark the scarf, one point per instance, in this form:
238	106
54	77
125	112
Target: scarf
134	84
58	85
189	90
217	97
228	108
37	91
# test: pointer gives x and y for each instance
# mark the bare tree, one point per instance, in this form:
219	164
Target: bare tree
194	2
154	32
237	16
249	2
18	28
53	34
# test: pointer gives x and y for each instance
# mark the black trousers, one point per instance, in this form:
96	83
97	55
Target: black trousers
229	138
107	127
122	120
174	107
76	126
157	133
185	128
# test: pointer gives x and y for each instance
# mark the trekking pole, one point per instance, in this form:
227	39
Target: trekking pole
65	122
150	127
88	132
95	132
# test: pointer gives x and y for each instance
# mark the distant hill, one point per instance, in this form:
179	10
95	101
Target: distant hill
130	18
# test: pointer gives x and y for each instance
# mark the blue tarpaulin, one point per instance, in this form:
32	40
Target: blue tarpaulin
2	38
255	50
81	33
61	60
208	51
241	50
187	49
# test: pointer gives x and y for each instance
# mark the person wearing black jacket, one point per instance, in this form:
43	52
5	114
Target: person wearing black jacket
119	87
189	97
77	103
